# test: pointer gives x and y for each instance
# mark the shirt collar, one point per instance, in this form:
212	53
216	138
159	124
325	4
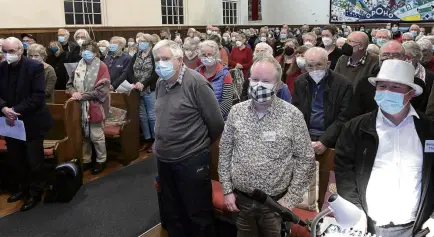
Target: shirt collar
179	80
358	63
270	110
381	119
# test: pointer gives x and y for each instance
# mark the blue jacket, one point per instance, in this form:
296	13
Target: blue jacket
117	66
217	81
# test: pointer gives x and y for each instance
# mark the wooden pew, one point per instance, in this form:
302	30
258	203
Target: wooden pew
128	133
60	97
64	140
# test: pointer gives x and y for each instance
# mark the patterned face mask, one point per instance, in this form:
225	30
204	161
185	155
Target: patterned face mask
261	92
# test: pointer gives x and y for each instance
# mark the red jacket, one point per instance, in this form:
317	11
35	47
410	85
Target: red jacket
291	79
192	64
243	57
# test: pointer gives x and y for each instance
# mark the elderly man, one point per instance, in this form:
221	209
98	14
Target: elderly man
309	39
22	96
357	63
279	46
209	29
265	146
117	60
340	42
427	53
384	162
373	49
383	36
165	34
260	48
253	39
363	100
188	121
322	96
407	36
414	30
28	39
374	35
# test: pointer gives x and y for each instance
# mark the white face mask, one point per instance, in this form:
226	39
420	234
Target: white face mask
102	49
301	62
239	43
196	38
225	38
308	44
12	58
327	41
131	43
80	42
317	75
233	39
208	32
263	39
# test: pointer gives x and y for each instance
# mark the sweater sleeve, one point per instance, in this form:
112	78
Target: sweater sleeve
232	62
225	155
227	95
50	82
224	56
338	68
249	57
210	110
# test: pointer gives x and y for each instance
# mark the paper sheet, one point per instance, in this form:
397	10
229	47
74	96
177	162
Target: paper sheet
125	87
70	68
18	131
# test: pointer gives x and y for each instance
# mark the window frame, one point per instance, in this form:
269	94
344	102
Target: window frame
85	13
230	12
173	12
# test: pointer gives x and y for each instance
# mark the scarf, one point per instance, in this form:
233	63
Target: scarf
420	72
84	81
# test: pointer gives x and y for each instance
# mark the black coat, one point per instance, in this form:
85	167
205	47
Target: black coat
355	154
30	97
70	55
337	96
363	100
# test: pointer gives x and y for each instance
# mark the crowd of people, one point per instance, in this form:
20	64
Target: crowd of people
275	97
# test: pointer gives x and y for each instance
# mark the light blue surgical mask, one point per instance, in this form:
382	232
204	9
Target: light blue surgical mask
390	102
414	33
26	45
283	36
61	39
54	49
87	55
374	40
113	47
380	42
165	69
143	46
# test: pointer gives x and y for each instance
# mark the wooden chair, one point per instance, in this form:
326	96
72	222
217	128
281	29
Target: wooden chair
127	133
64	140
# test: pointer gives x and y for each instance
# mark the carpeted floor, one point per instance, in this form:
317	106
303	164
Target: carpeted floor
121	204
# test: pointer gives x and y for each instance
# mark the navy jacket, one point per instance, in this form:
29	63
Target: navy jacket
30	97
117	65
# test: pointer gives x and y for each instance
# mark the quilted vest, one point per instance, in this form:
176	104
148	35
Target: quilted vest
217	82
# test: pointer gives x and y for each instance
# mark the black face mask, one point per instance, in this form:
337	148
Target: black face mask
289	51
347	50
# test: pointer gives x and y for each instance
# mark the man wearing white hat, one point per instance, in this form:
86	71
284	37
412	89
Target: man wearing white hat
384	160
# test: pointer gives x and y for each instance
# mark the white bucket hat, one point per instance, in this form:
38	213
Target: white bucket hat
397	71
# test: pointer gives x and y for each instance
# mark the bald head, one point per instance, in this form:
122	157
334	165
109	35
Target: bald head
392	50
316	58
361	37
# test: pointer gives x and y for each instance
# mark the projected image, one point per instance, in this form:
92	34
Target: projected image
381	10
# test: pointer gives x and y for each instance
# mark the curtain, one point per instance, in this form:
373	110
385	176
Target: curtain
255	13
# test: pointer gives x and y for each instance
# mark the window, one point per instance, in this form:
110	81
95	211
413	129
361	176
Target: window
172	12
230	12
80	12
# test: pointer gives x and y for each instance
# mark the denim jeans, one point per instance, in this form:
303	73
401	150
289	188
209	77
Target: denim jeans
186	196
147	114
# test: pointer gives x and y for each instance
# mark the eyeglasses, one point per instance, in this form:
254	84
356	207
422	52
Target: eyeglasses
353	42
315	67
385	56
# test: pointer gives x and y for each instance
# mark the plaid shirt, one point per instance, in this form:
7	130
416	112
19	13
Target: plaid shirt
350	62
179	80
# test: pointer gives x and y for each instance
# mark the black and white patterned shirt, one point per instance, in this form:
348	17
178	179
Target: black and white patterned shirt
272	153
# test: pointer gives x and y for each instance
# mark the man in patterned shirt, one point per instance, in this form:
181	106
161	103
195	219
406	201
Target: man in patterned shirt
265	145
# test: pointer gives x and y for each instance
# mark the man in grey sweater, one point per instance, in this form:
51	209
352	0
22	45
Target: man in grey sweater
188	121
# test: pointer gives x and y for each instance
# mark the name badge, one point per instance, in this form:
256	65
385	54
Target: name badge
271	136
429	146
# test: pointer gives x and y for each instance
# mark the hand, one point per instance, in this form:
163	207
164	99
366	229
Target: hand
59	49
430	225
76	96
318	147
10	122
230	202
10	113
138	86
239	66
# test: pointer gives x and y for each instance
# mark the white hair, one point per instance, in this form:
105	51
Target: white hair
86	34
319	52
120	40
312	34
424	44
173	46
373	49
413	48
264	46
66	32
430	38
213	45
408	35
38	49
341	40
266	57
191	41
14	40
103	43
389	34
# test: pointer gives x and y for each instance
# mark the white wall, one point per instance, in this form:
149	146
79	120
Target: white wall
132	13
204	12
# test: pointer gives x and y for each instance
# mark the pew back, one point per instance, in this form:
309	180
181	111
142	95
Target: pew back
60	97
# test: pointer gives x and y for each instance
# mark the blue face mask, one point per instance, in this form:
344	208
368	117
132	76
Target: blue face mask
26	45
54	49
283	36
165	69
143	46
390	102
380	42
61	39
87	55
374	40
113	47
414	33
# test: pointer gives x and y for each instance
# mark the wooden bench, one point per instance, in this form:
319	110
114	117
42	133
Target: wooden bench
60	97
64	140
128	132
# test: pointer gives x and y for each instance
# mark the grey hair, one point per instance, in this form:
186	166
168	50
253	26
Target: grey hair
265	46
66	32
104	43
14	40
408	35
320	52
413	48
309	34
424	44
213	45
86	34
389	34
341	40
373	49
38	48
121	41
191	41
430	38
173	46
145	37
266	57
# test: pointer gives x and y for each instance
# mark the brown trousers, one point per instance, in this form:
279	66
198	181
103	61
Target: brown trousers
256	220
